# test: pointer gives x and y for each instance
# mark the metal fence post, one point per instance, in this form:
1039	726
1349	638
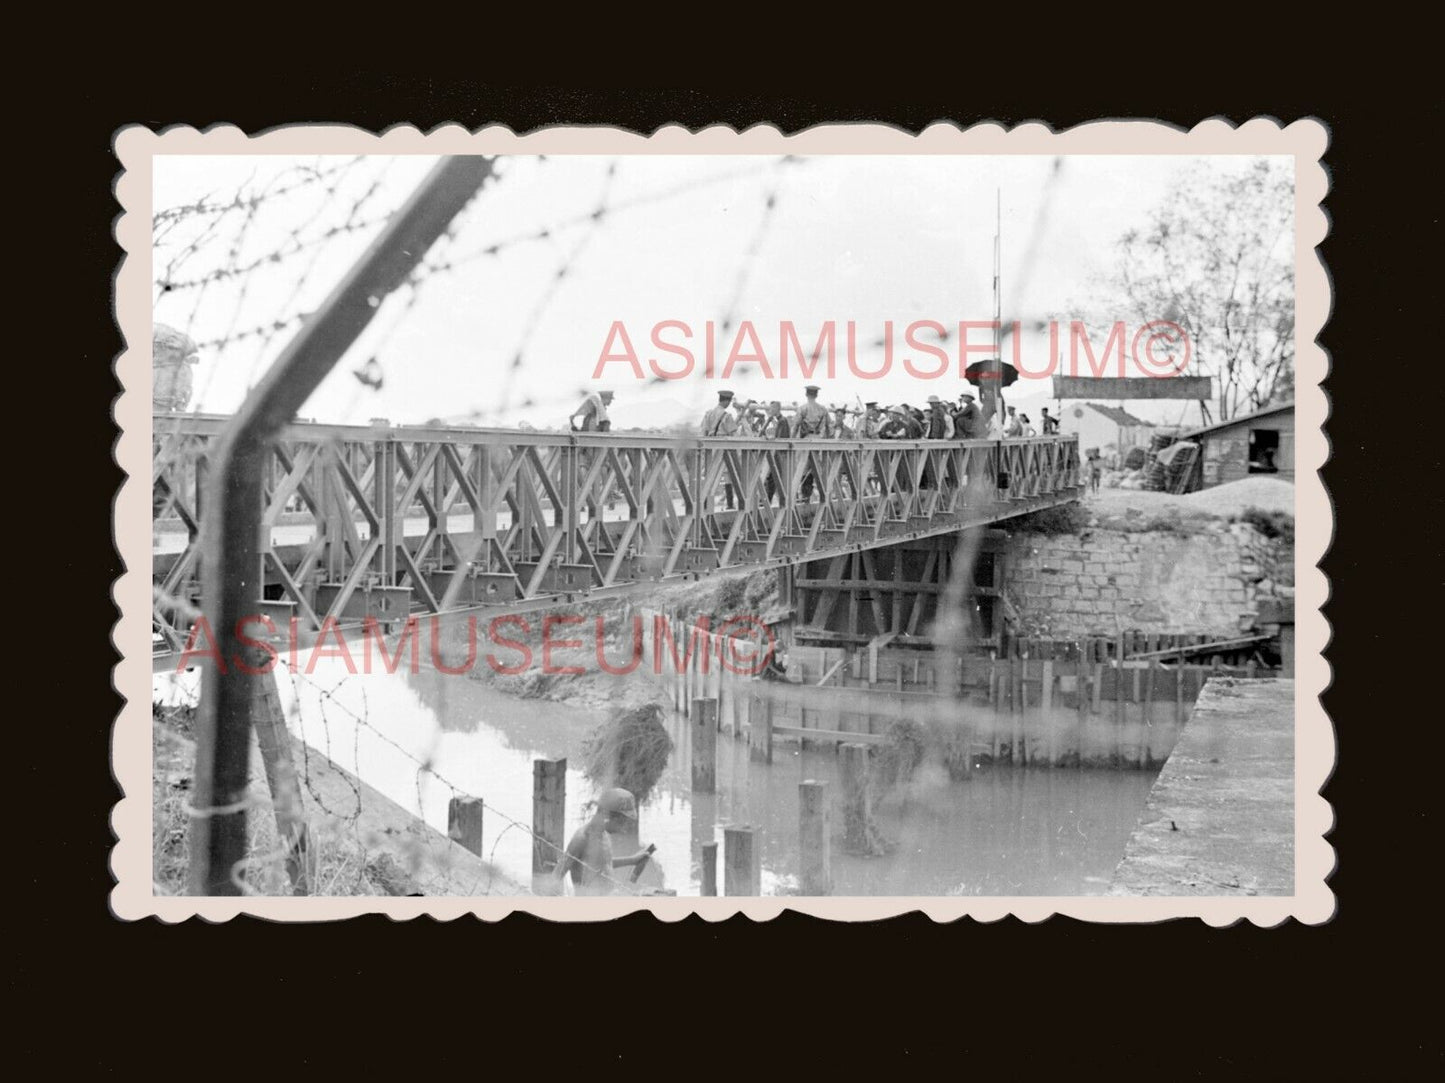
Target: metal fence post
230	535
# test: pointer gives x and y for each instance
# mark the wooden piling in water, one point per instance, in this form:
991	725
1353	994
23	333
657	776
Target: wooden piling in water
814	858
993	703
549	813
704	746
1081	682
857	800
1046	708
1015	707
742	861
464	822
1146	733
760	729
709	868
1119	701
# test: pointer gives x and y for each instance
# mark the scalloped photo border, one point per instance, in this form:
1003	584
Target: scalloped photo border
1305	140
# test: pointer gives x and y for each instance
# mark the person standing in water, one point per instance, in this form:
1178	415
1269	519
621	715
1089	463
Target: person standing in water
589	855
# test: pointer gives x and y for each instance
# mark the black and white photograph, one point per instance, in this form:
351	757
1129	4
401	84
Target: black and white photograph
675	522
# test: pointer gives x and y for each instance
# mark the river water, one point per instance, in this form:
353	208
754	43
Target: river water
1003	831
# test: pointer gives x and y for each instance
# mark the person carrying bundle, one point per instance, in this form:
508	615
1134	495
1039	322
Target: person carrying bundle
589	856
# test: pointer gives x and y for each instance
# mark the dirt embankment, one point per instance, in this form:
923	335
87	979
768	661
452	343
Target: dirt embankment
563	655
1133	509
363	843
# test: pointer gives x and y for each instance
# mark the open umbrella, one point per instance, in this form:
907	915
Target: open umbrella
979	371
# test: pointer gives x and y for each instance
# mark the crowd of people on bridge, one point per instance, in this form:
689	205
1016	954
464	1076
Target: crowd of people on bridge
739	418
736	416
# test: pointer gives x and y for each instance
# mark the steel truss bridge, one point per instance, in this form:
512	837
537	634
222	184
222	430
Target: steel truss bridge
389	521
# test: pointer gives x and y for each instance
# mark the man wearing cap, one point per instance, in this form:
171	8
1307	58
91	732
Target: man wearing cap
1012	426
968	423
872	420
588	856
813	416
718	422
813	423
940	424
901	425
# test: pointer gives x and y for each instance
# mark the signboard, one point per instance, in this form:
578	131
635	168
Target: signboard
1132	387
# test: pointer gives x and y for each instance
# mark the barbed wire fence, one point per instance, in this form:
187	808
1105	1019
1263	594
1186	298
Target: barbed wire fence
346	205
238	274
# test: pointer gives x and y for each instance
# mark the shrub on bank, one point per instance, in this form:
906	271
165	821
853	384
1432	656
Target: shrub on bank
1271	524
1070	518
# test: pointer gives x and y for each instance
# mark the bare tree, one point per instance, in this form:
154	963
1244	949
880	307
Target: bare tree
1217	258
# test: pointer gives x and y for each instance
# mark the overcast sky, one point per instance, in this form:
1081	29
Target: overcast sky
866	239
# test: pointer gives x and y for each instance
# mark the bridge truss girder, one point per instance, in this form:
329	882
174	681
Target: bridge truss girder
385	521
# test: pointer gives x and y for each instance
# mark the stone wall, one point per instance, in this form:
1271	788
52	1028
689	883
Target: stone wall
1207	579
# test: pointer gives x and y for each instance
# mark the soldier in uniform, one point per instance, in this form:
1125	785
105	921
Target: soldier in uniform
776	427
717	422
872	420
813	423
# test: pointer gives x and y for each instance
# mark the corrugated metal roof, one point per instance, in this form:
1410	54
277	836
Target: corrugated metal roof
1118	416
1239	419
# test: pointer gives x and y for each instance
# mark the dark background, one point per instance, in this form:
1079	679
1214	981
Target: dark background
207	997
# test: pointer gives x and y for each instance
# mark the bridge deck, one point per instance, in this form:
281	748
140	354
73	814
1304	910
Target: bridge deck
383	521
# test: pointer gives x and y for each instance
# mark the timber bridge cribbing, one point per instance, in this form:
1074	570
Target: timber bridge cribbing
385	521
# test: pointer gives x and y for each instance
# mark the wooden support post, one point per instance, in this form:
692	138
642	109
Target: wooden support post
1146	735
709	868
275	741
1178	698
742	861
1015	686
704	746
1046	705
464	822
813	838
549	813
760	728
1119	704
1081	684
993	703
1024	745
857	800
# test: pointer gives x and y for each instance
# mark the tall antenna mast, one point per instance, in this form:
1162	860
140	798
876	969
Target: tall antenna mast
993	382
998	268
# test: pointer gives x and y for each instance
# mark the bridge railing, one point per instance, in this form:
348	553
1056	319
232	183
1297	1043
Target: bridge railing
382	521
